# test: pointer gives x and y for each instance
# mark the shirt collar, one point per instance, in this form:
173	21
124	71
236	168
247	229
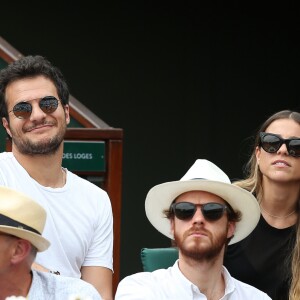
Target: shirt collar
229	282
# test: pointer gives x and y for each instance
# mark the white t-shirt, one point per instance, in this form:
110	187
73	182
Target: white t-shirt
171	284
79	219
46	286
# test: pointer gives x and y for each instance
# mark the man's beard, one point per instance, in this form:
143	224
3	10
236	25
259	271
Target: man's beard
200	251
43	147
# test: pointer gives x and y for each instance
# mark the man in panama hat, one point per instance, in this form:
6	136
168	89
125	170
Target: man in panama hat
22	222
202	212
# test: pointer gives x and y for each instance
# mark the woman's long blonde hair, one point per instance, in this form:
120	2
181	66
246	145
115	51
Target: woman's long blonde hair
253	183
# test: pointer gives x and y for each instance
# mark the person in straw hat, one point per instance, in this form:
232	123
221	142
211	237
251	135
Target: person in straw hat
22	221
202	212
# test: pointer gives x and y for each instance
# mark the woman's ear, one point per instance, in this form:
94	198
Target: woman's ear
257	154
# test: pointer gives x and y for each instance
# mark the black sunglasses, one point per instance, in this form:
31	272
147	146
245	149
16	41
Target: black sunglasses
48	105
272	142
210	211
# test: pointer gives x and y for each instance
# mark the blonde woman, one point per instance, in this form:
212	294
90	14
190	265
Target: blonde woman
269	258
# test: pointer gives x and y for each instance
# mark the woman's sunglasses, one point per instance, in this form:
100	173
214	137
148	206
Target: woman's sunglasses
272	142
210	211
23	110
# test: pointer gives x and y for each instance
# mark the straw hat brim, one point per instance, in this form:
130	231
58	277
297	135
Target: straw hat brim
35	239
160	197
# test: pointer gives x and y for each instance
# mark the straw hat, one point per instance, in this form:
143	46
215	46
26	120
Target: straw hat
203	176
22	217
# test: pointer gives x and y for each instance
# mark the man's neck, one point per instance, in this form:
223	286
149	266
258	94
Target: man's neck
15	285
206	275
45	169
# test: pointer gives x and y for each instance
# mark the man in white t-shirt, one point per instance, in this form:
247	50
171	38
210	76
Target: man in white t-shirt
35	112
202	212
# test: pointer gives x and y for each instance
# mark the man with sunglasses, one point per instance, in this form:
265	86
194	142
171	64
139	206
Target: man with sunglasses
35	113
202	212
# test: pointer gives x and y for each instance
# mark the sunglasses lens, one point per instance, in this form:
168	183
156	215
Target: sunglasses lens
210	211
271	143
213	211
48	104
294	147
22	110
184	210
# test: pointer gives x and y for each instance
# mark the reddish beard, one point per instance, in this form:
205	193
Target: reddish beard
201	248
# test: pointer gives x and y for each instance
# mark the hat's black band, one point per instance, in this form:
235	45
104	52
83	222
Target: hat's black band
4	220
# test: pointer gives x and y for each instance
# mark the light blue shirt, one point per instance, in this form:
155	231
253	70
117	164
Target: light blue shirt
56	287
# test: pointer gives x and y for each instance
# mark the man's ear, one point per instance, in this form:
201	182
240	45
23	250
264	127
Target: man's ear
22	249
6	126
172	226
67	113
231	229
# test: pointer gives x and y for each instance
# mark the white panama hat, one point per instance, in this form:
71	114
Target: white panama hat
203	176
22	217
